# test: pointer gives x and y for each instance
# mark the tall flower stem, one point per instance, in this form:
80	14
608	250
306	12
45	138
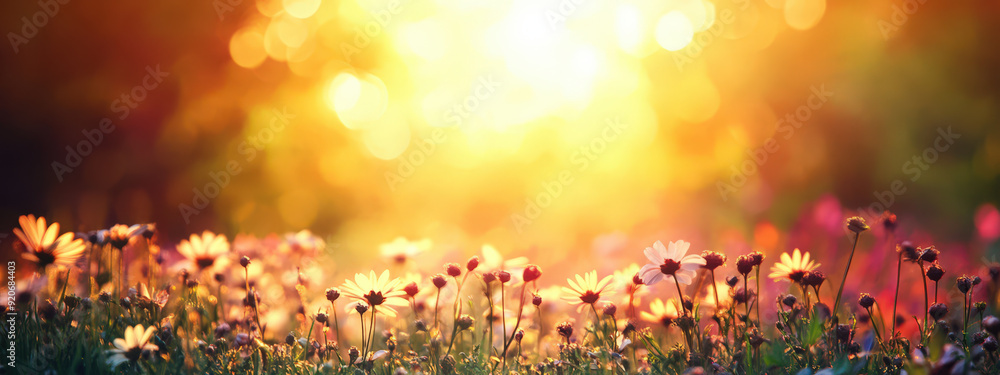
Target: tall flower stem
680	297
371	338
895	298
631	302
457	309
805	296
923	277
598	325
757	305
336	322
437	303
840	292
517	323
489	299
454	333
965	322
878	336
503	319
715	290
364	334
541	330
308	335
326	342
746	304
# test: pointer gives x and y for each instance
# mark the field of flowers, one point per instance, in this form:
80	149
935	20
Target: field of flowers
110	301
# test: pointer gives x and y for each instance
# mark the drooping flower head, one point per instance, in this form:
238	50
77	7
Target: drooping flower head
908	251
929	254
935	272
585	290
204	250
44	246
378	292
793	267
131	347
670	261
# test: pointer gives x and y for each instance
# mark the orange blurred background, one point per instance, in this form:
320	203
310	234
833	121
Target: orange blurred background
545	128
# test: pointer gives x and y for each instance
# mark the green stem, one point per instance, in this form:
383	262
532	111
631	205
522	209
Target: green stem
757	306
840	292
517	323
489	299
680	297
437	305
336	322
895	299
923	277
371	338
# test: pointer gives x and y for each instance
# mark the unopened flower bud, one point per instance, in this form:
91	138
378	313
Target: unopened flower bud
453	269
713	259
866	300
789	301
472	264
964	283
610	309
489	277
857	224
439	281
361	308
464	322
531	273
938	310
411	289
732	281
990	344
991	324
935	272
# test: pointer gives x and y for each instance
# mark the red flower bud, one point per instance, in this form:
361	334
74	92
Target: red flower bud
411	289
453	269
439	281
532	273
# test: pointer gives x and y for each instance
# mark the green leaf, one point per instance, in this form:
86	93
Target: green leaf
813	332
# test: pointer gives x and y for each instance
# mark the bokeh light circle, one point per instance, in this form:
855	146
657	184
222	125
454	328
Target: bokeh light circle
674	31
804	14
301	8
247	48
